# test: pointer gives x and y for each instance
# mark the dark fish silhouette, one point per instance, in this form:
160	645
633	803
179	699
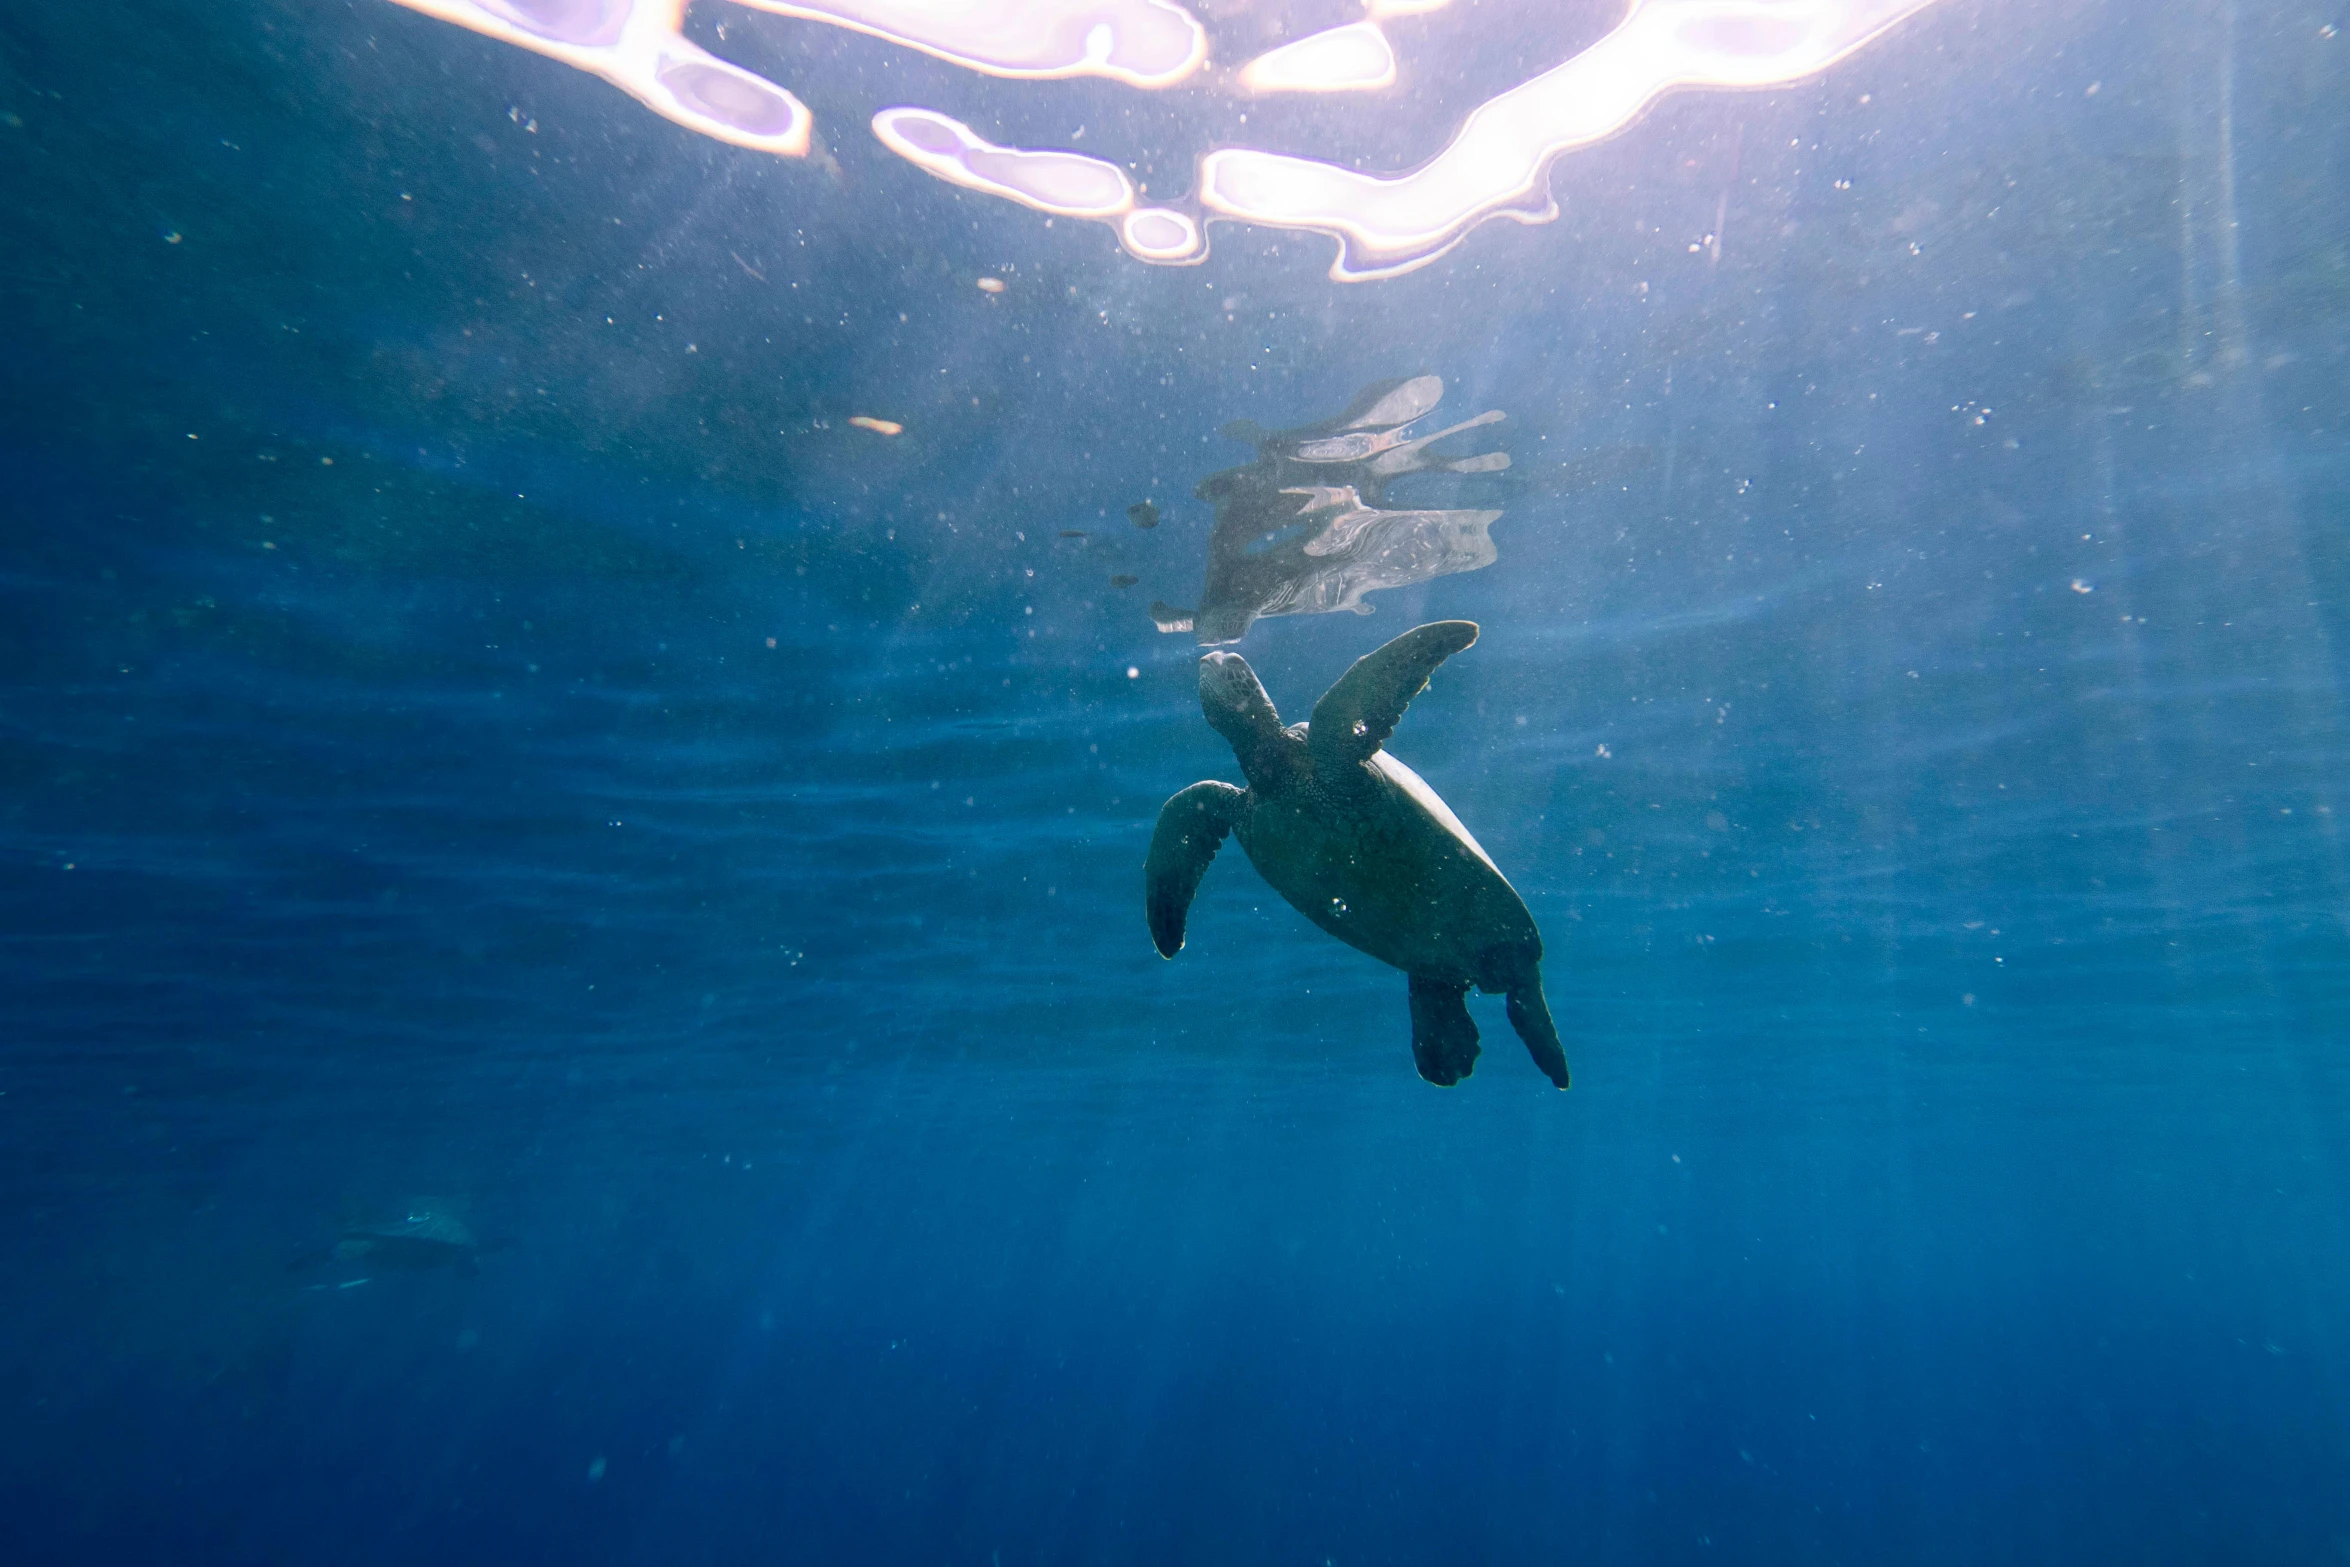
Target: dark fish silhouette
1124	581
1072	533
1301	531
422	1237
1143	514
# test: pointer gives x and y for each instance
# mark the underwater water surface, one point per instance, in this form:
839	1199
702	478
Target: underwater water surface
573	981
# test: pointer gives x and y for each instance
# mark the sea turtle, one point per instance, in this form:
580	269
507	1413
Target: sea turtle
1360	845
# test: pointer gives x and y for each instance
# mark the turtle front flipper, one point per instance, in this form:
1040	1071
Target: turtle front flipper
1530	1016
1444	1036
1192	827
1355	716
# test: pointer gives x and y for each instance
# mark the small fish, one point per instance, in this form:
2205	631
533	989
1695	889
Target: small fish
1072	533
1123	582
1143	514
877	426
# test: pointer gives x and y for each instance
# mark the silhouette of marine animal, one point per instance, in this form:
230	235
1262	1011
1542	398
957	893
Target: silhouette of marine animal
421	1238
1360	845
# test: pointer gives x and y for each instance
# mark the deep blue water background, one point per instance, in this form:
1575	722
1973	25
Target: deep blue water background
401	802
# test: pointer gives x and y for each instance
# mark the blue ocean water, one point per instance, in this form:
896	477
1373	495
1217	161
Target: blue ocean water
484	742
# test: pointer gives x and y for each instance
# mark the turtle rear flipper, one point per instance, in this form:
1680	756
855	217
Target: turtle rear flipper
1530	1016
1444	1036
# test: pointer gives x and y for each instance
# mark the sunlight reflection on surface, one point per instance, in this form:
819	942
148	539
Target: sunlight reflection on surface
1496	166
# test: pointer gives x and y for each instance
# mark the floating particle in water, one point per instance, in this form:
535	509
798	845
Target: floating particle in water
877	426
1143	514
1123	582
991	285
2081	585
1601	466
595	1469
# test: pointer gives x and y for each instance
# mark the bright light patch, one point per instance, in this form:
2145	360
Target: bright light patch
639	47
1498	165
1143	43
1066	184
1162	234
1353	58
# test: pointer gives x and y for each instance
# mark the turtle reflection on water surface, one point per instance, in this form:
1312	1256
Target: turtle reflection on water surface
1301	530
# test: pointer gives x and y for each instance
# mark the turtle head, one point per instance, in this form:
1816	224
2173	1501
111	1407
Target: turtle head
1237	708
